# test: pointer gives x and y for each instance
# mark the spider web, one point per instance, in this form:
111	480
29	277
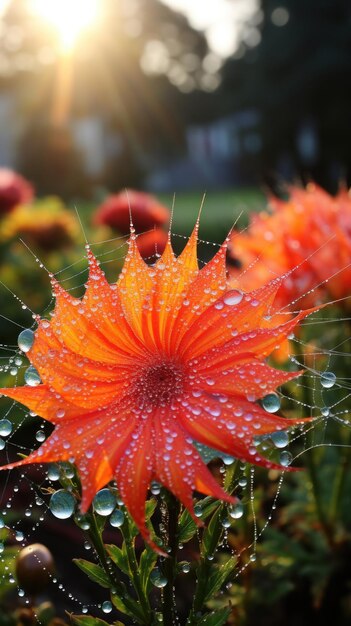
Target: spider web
321	350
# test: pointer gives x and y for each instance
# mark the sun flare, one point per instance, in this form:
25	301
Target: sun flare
69	18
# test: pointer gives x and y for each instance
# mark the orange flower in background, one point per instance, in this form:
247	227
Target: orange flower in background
147	212
46	225
135	372
308	238
14	190
152	242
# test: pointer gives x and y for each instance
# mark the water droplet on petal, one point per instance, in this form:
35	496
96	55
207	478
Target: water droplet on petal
271	403
104	502
31	376
62	504
25	340
233	297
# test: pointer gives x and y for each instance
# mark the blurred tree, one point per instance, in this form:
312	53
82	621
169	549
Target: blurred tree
133	69
295	69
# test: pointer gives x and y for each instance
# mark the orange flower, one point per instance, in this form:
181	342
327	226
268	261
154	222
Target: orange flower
146	210
308	238
133	373
14	190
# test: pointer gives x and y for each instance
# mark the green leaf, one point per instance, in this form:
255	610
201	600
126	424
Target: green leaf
218	576
212	533
147	562
94	572
216	618
128	606
119	558
87	620
187	526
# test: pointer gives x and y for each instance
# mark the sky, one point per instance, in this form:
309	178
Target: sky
222	21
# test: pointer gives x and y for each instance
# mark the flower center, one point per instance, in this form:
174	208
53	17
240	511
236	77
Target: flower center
159	384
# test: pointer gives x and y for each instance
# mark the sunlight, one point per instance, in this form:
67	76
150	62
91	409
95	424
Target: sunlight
69	18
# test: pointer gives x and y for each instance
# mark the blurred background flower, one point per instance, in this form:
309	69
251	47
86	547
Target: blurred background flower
14	190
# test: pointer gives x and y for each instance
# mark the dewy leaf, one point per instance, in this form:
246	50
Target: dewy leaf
218	577
147	562
217	618
187	527
130	607
94	572
119	558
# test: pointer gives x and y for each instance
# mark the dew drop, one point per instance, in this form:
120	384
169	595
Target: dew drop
5	427
40	436
271	403
233	297
280	439
325	410
2	443
106	606
186	567
285	458
236	510
104	502
53	472
117	518
198	510
62	504
25	340
82	521
157	578
31	376
328	380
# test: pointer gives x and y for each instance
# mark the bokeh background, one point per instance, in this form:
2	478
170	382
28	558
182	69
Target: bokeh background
174	95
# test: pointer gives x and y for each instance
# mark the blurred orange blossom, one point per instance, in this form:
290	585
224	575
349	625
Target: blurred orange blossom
308	238
135	372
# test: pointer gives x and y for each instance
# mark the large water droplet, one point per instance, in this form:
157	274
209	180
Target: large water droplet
106	606
328	379
40	436
53	472
104	502
158	579
62	504
280	439
117	518
286	458
5	427
25	340
233	297
236	510
31	376
271	403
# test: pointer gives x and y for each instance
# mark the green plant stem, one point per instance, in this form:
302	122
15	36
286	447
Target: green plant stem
210	541
135	570
339	482
169	566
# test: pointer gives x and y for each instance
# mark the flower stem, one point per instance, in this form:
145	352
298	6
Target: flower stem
169	564
135	571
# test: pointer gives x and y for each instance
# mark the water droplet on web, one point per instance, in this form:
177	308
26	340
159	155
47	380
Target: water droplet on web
225	522
62	504
242	481
117	518
233	297
104	502
40	436
285	458
325	410
328	380
25	340
185	568
280	439
53	472
2	443
31	376
5	427
106	606
158	579
236	510
271	403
